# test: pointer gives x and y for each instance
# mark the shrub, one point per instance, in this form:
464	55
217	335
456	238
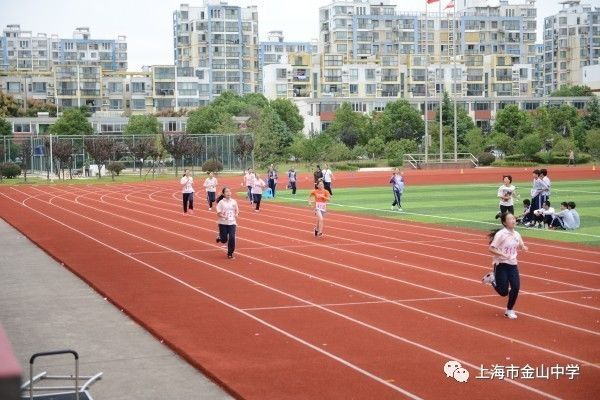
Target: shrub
504	163
396	162
338	152
486	158
10	170
368	164
345	167
115	167
212	165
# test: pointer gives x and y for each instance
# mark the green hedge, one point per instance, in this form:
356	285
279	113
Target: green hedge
367	164
543	158
212	165
395	163
10	170
504	163
345	167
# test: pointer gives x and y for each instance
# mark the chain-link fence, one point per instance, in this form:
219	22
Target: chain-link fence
164	152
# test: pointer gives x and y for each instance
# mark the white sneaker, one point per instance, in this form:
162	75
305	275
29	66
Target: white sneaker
399	209
489	278
393	208
510	314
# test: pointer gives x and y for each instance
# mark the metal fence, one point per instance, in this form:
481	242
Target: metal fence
221	147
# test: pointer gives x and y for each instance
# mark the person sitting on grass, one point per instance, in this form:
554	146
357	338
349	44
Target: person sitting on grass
563	219
575	214
543	216
525	217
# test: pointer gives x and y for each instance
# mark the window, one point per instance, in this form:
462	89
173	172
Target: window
138	87
353	89
115	87
116	104
371	88
38	87
281	90
138	104
22	128
13	87
281	73
354	74
172	126
370	74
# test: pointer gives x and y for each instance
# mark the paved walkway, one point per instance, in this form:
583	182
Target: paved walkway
43	307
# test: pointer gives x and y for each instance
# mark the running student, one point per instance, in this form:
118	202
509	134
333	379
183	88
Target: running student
506	193
327	178
319	198
504	245
227	211
292	178
257	188
210	184
248	180
187	189
397	182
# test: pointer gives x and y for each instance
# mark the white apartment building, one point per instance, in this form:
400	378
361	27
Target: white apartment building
571	42
220	42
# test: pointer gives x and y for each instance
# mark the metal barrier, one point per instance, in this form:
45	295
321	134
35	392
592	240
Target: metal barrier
418	160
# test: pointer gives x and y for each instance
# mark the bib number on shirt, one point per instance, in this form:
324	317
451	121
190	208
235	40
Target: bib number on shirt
321	207
229	215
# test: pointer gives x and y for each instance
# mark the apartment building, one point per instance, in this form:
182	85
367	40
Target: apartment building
21	50
571	42
220	42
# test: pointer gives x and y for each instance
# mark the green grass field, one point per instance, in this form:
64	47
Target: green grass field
473	206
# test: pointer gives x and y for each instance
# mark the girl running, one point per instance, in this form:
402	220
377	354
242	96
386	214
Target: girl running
227	211
506	193
248	179
319	197
210	184
187	189
397	182
504	245
257	188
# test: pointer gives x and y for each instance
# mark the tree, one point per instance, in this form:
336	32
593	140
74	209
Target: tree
513	122
142	125
142	148
210	119
400	120
72	122
376	147
9	107
289	114
530	145
272	138
5	127
62	152
503	142
474	141
25	152
243	147
573	91
591	119
256	100
115	168
464	122
348	126
100	149
563	118
179	146
593	143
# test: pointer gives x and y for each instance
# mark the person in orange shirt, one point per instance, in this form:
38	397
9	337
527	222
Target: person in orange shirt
319	198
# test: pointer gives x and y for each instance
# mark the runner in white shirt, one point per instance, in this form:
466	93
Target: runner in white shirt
327	178
227	211
504	245
257	188
187	190
210	184
506	193
248	181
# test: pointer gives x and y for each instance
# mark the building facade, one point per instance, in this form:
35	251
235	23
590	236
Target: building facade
571	42
21	50
220	42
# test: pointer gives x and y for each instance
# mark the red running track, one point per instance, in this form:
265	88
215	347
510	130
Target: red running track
373	310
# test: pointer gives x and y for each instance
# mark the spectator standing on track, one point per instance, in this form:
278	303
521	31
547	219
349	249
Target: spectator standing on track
210	184
571	158
318	175
227	211
187	189
257	188
292	178
272	178
506	193
397	182
504	245
319	198
248	182
327	178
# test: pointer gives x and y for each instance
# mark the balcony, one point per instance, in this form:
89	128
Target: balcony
389	78
67	92
333	78
164	92
90	92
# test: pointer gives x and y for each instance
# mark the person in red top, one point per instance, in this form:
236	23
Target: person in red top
319	197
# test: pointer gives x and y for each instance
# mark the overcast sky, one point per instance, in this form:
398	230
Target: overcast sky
148	23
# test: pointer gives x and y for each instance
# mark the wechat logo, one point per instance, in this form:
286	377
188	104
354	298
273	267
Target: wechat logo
455	370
